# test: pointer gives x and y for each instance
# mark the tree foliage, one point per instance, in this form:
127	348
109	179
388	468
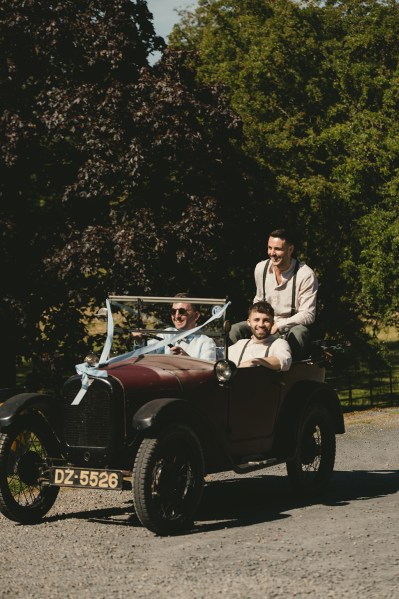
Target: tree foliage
316	86
113	174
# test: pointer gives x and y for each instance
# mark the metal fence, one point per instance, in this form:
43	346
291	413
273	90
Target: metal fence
361	389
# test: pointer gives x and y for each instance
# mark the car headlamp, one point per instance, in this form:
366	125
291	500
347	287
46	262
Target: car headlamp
92	360
224	370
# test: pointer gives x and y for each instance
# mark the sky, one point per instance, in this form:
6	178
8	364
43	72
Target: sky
165	15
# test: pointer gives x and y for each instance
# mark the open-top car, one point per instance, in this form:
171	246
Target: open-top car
157	423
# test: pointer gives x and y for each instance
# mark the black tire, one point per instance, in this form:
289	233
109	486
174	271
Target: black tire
23	451
168	480
310	471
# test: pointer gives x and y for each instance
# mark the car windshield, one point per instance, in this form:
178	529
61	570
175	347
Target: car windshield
139	325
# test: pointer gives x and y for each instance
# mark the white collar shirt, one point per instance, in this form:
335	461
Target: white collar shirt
196	346
280	295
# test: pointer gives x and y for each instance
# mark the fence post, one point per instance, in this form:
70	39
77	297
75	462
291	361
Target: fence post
371	387
350	389
391	386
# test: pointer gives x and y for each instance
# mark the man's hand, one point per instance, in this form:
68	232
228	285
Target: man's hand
252	362
136	336
270	362
177	350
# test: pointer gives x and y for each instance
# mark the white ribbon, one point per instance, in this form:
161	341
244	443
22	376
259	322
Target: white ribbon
87	371
110	334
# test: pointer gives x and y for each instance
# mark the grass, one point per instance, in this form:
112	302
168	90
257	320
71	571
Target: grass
382	416
363	388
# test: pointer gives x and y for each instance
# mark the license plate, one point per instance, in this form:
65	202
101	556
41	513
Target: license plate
89	479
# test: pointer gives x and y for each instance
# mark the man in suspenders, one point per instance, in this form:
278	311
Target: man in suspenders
262	349
290	287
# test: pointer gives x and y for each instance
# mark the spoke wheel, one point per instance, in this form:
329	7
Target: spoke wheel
23	451
310	471
168	479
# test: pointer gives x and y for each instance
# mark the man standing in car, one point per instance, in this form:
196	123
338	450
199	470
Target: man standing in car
290	286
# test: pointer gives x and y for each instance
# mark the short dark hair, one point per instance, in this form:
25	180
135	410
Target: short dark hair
262	307
285	235
196	307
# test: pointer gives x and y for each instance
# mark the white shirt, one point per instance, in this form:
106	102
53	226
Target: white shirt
278	348
196	346
280	296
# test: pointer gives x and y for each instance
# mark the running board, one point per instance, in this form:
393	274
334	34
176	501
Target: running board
257	465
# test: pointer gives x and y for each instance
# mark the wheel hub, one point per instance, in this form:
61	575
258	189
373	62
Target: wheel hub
171	482
311	448
28	468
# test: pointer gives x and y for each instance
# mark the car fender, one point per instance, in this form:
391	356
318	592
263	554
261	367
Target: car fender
46	406
296	402
162	412
159	411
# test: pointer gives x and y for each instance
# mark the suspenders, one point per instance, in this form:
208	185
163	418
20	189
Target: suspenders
293	311
243	351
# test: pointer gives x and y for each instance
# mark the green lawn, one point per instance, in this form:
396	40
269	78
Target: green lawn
359	388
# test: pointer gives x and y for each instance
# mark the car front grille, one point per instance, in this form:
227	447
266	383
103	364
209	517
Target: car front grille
91	422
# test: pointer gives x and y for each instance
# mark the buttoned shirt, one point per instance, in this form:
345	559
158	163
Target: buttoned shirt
196	346
271	346
280	295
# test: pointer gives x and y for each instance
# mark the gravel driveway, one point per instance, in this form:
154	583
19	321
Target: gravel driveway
252	538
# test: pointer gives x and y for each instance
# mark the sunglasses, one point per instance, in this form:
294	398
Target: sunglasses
181	311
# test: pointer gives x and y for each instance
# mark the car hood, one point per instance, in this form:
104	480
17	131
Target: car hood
161	373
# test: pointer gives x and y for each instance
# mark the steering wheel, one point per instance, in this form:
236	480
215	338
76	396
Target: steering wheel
152	336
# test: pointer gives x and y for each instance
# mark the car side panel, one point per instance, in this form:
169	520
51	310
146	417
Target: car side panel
254	401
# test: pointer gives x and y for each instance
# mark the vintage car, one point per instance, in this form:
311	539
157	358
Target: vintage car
158	424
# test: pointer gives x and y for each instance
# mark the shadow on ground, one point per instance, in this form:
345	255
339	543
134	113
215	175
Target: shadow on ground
245	501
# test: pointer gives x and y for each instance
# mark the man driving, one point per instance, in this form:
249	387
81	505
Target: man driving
184	317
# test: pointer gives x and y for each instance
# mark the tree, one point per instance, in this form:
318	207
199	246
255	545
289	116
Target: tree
62	66
114	175
315	85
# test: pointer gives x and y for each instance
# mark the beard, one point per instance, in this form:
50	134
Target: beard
260	335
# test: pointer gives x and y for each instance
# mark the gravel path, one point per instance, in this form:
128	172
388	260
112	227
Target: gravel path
252	538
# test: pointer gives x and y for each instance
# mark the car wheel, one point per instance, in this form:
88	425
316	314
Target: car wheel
311	469
23	452
168	479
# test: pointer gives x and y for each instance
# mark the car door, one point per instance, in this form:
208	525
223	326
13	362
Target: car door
253	404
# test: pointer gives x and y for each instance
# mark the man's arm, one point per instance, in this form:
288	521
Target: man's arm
271	362
207	349
202	347
258	275
306	298
279	357
139	340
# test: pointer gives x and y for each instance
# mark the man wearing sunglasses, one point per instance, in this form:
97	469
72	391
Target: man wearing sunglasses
185	316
